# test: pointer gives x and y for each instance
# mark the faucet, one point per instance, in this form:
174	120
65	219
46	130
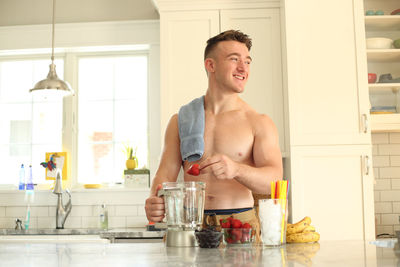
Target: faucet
61	211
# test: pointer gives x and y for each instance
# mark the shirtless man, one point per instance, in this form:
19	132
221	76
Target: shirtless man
241	147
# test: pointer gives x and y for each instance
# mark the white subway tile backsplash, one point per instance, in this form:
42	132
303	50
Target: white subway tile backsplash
117	222
138	221
381	161
377	195
396	207
390	195
81	211
141	211
40	211
376	173
394	161
383	207
377	219
91	222
7	222
46	222
383	184
394	138
73	222
390	149
380	138
374	150
126	210
389	172
16	212
390	219
2	211
396	184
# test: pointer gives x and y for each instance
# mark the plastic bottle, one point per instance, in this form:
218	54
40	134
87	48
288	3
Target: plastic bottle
29	183
104	217
22	178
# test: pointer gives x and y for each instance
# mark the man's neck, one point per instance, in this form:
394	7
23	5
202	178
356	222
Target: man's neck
217	102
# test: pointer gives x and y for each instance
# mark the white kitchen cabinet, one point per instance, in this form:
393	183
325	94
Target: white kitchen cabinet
334	186
184	32
329	121
183	37
327	73
264	91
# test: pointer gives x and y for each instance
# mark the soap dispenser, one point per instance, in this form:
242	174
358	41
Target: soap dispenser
104	217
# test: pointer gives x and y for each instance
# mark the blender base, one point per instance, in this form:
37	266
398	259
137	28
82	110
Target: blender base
180	238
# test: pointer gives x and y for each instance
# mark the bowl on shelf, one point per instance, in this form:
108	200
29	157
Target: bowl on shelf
396	43
238	236
371	77
379	43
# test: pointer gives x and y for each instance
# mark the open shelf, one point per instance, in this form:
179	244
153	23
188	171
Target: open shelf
383	55
381	87
385	122
379	23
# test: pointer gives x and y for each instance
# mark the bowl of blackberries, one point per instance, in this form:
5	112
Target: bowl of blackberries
208	237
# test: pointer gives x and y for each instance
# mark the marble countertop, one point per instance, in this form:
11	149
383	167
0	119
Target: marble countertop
324	253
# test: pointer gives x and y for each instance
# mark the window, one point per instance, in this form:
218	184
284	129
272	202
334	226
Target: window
111	95
28	127
112	114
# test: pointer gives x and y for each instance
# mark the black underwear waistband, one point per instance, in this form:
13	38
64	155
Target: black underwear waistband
226	211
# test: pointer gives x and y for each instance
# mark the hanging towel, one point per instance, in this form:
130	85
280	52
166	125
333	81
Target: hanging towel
191	129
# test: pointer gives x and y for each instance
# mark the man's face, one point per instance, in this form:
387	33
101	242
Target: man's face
232	65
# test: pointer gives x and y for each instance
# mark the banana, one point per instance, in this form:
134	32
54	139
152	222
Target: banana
302	237
299	226
309	228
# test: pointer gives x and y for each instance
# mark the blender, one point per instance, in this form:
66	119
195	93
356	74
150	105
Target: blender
184	209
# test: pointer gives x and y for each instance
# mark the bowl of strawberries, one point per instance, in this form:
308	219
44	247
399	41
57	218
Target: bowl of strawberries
236	232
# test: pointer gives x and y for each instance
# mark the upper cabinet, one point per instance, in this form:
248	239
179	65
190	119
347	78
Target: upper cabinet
383	63
186	27
327	73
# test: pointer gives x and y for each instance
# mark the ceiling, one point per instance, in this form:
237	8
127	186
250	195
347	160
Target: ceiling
27	12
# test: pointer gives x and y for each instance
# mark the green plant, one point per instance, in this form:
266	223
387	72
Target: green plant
129	152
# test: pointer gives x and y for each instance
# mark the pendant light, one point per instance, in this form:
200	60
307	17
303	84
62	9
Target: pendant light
52	84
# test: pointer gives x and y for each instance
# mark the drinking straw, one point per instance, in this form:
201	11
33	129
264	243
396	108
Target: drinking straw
272	190
283	197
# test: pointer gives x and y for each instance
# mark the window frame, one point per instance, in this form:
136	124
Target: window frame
78	39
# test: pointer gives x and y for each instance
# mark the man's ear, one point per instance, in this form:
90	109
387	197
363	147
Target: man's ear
209	64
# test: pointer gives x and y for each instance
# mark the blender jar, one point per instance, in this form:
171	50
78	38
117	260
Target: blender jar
184	204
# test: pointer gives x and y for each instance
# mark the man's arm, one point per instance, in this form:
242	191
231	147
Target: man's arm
168	170
266	156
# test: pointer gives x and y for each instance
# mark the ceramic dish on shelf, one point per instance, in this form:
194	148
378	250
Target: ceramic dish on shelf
379	43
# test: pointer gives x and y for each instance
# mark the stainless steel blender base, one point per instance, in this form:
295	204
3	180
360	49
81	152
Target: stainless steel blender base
180	238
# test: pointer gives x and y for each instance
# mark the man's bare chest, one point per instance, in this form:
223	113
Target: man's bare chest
229	135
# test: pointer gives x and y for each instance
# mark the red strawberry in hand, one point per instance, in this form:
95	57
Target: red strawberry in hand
194	170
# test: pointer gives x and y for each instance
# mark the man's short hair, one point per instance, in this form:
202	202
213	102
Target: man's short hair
230	35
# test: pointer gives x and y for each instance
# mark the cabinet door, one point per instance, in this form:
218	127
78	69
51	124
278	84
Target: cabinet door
264	91
327	82
334	186
183	37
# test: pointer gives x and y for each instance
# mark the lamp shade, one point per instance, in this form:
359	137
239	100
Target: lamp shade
52	82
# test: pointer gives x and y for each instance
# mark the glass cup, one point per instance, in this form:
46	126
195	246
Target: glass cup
273	219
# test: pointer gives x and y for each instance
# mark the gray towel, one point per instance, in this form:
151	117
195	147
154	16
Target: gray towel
191	129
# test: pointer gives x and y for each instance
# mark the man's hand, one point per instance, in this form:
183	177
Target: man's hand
221	166
155	208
